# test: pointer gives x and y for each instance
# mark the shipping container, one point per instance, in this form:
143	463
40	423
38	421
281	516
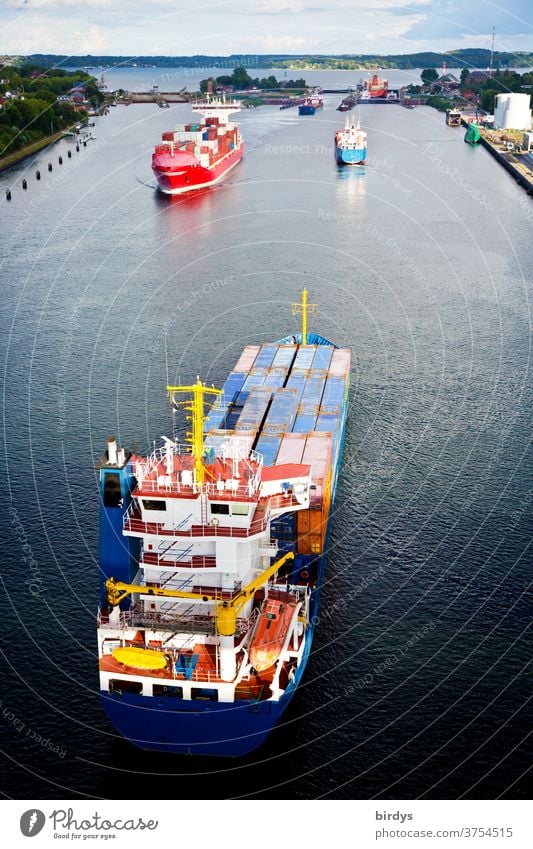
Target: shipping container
268	445
322	358
297	382
284	356
233	415
313	390
254	380
340	362
304	358
275	378
217	416
214	441
282	411
254	410
246	359
232	386
291	449
317	447
333	397
328	422
304	422
265	356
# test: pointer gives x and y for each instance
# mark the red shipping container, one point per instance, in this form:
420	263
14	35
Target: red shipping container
340	362
246	359
291	448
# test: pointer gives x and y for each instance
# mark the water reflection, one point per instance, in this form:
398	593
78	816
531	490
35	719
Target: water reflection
351	183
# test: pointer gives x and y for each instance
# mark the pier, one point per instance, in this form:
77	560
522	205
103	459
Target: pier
518	165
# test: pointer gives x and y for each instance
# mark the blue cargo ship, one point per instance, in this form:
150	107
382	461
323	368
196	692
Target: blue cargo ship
212	554
311	105
350	144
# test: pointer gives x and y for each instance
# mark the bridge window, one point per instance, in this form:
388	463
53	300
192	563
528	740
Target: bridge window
150	504
240	509
220	509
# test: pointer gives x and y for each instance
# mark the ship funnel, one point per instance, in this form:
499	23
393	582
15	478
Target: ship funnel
112	450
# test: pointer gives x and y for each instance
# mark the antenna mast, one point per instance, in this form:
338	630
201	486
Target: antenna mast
196	407
492	51
304	308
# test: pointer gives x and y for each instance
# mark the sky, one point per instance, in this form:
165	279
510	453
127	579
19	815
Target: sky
220	27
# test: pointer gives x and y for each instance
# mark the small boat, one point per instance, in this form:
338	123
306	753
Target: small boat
270	633
140	658
472	135
453	117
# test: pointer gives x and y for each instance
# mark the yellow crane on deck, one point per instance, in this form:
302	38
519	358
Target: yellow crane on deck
226	609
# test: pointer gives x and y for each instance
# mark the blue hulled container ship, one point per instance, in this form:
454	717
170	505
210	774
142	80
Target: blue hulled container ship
212	553
350	144
311	105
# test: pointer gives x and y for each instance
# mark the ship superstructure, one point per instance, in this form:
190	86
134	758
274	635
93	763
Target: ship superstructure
212	553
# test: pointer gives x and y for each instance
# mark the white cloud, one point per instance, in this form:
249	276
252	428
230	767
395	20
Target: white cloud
216	27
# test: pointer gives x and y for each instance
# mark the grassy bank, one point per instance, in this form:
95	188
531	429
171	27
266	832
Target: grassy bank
18	155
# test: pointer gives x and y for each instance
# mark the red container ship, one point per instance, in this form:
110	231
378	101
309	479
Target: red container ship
194	156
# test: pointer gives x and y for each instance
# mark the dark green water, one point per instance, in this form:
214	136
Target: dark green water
421	263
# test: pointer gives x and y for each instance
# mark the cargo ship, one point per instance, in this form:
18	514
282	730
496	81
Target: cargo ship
375	89
311	105
195	156
350	144
212	552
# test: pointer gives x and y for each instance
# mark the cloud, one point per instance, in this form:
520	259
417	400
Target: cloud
215	27
445	19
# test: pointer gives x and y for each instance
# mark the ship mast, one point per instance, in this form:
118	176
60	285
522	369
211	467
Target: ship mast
304	308
195	406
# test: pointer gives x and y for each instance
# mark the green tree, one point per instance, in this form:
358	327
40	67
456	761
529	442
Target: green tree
429	75
465	73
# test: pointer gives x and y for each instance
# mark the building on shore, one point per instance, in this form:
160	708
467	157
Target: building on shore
512	112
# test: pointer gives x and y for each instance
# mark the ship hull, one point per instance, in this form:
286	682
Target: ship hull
207	728
305	109
193	177
350	157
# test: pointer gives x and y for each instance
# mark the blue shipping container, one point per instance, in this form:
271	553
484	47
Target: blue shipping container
265	356
268	446
322	357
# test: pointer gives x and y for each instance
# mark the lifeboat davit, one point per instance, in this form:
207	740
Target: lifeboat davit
270	633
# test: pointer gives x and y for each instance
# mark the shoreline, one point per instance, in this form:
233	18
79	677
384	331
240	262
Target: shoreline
508	161
28	150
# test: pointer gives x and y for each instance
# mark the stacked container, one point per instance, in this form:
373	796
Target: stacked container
254	410
282	411
247	358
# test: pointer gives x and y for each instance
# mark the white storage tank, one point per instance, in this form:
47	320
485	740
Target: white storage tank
512	112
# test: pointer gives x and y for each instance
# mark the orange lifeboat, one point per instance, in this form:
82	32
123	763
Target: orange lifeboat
270	633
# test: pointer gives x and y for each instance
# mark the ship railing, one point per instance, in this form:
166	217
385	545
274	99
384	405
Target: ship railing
137	617
133	523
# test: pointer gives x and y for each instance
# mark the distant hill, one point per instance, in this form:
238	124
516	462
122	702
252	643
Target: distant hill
470	58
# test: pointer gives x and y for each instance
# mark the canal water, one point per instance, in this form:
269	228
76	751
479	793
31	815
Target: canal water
420	262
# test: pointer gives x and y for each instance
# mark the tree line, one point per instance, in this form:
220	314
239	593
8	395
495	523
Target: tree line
35	112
